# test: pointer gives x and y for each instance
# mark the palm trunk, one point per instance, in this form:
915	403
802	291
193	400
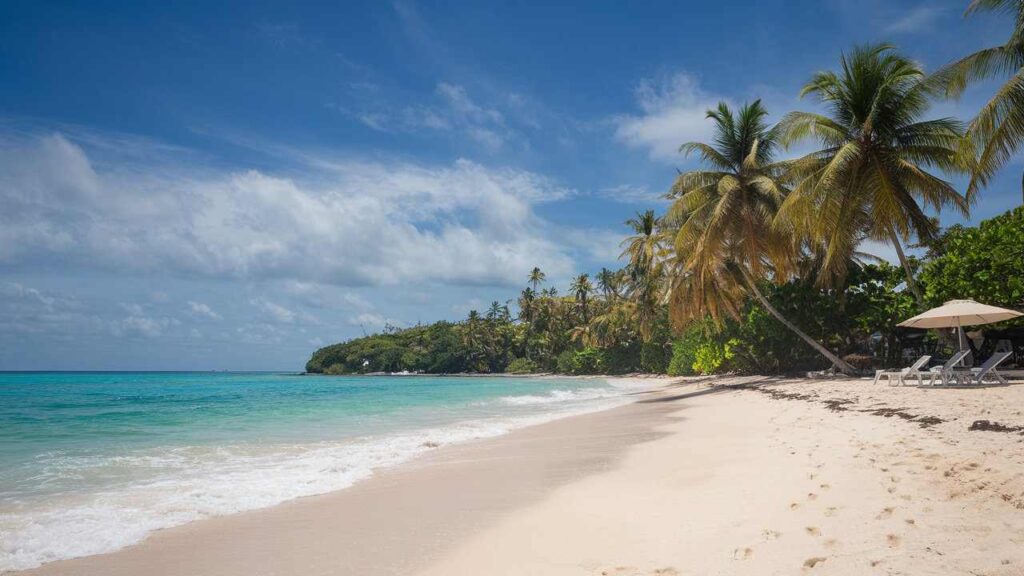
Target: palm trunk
943	336
911	283
836	361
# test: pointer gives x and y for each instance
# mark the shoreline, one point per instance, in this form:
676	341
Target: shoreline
731	476
507	425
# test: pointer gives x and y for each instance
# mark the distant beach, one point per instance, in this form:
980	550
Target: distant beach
702	476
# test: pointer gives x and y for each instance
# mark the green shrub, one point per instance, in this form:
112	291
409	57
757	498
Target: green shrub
712	357
565	364
622	358
522	366
335	369
684	350
654	358
588	361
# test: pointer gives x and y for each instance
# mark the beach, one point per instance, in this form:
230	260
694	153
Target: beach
714	476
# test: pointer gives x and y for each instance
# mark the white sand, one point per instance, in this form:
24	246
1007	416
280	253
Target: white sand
744	484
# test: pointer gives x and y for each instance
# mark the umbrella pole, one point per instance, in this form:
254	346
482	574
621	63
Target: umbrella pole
961	340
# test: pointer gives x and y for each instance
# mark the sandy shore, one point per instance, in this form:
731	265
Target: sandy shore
733	476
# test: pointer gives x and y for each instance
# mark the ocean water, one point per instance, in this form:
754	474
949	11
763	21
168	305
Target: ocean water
93	462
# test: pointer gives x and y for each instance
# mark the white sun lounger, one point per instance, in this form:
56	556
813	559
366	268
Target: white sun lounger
977	376
946	373
899	374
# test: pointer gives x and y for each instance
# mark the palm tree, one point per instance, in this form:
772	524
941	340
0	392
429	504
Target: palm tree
581	288
526	304
643	248
536	278
646	253
608	283
725	242
997	132
870	178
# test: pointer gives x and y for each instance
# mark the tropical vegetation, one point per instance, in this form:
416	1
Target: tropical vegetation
757	265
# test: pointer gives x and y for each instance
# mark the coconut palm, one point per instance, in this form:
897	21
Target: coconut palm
536	278
526	304
581	288
643	248
997	132
870	179
725	243
608	282
646	253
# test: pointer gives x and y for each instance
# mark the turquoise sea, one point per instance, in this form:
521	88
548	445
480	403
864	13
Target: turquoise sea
93	462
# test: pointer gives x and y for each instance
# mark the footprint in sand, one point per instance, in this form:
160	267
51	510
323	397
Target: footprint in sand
831	543
812	562
742	553
812	531
893	540
771	534
794	506
831	511
910	521
812	496
885	513
825	486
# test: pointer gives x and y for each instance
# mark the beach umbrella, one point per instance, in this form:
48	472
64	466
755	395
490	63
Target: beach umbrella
960	313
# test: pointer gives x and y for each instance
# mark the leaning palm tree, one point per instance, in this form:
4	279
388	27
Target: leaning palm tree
870	179
536	278
725	243
997	132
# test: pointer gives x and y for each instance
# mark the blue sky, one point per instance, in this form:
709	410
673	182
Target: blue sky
210	185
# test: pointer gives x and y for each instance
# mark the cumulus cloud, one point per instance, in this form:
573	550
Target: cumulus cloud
673	111
141	325
372	321
202	310
276	311
28	310
351	223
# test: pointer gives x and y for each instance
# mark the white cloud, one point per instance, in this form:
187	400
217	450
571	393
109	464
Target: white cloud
144	326
27	310
916	20
274	310
372	321
202	310
632	194
453	111
673	112
351	223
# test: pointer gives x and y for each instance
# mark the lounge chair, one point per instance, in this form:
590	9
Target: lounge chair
899	374
945	373
977	376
